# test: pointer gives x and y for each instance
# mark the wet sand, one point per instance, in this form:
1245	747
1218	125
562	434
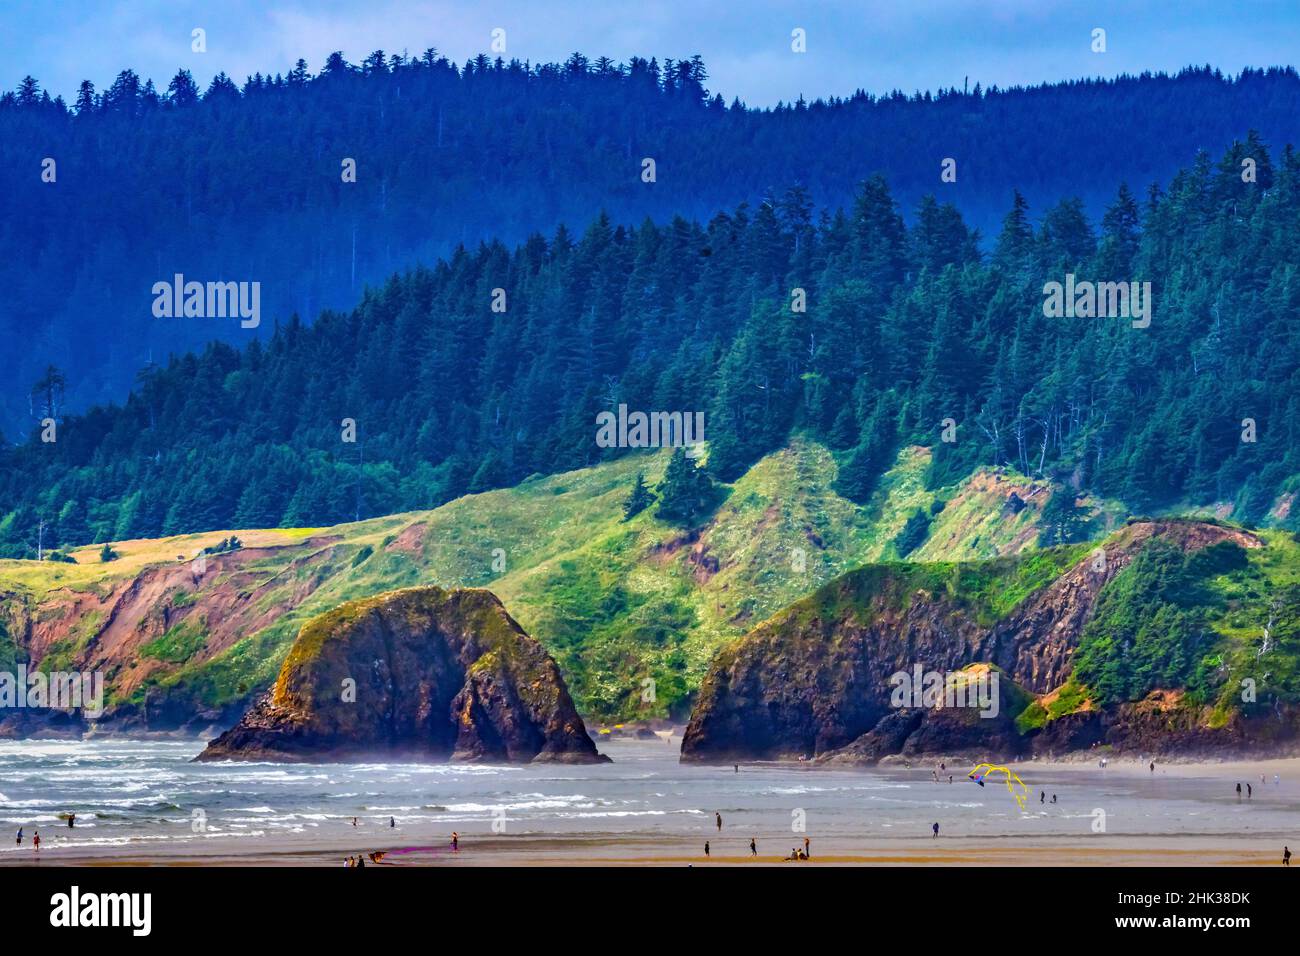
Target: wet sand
1183	815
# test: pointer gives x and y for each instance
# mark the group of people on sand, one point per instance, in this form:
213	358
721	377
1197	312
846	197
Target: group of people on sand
795	853
804	853
378	855
1250	791
36	834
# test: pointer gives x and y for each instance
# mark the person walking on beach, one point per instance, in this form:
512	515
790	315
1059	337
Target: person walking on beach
1249	792
1153	766
936	831
1238	791
807	848
20	836
753	847
1286	856
392	824
719	816
1053	798
706	847
455	841
1042	796
361	860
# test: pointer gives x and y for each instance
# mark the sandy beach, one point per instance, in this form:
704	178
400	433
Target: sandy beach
143	803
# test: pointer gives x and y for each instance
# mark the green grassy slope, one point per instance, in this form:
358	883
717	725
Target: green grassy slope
632	611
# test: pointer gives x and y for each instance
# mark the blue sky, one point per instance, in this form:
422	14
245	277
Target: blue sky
877	46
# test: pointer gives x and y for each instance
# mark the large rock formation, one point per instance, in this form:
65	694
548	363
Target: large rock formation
422	673
815	679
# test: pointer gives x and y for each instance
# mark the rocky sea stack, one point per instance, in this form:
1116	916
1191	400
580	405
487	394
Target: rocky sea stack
819	679
422	673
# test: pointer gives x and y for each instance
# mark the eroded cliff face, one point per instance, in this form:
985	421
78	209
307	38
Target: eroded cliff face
815	680
422	672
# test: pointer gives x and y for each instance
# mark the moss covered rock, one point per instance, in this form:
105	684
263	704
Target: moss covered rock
422	673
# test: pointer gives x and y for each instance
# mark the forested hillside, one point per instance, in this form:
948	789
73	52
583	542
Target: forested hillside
243	182
903	329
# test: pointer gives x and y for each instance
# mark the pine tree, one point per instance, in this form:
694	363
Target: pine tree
686	492
1063	520
640	498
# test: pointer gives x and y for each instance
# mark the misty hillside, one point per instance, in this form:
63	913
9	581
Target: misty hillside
853	328
242	182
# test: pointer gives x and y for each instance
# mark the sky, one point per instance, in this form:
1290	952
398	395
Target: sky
877	45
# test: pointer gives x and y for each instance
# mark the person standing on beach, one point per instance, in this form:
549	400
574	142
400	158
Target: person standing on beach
719	816
392	824
1042	796
753	847
1153	766
20	836
36	841
455	841
807	848
706	847
1249	792
936	831
1286	856
1238	791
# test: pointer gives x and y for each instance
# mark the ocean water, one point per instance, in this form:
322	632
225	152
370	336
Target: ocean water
139	799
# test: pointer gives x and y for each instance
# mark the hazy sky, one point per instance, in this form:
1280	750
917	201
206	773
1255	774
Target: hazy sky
877	46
